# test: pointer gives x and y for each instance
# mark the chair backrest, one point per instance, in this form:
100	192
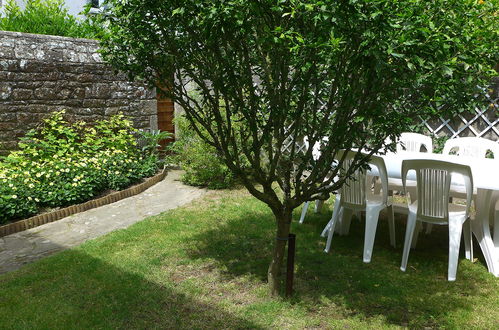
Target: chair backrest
316	150
433	186
412	142
472	147
357	188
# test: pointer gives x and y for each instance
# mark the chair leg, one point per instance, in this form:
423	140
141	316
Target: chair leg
338	227
330	232
372	217
419	226
468	240
318	205
391	225
377	187
429	227
357	214
326	229
345	221
413	193
455	229
496	226
304	211
409	233
334	219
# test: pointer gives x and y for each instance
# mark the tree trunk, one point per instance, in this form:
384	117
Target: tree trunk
283	223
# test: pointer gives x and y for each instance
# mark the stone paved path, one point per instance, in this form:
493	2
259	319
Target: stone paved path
30	245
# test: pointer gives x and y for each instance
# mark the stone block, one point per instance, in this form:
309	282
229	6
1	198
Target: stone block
7	117
9	65
22	94
148	107
98	91
6	52
45	93
116	102
85	77
112	111
153	122
73	103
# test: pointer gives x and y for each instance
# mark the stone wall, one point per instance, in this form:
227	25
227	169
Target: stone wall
40	74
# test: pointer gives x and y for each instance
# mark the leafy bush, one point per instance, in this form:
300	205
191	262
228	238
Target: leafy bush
62	163
200	161
47	17
149	141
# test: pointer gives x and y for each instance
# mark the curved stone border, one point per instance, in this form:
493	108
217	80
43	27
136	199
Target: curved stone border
44	218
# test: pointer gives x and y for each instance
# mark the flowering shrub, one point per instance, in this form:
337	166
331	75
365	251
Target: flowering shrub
62	163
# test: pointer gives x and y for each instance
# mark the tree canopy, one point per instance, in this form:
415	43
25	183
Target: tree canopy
256	77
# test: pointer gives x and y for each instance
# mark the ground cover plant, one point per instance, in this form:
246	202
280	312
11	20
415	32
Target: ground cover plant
203	267
256	77
46	17
62	163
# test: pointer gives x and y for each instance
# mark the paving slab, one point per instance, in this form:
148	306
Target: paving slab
25	247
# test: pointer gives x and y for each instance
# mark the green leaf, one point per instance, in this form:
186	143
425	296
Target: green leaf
447	71
178	11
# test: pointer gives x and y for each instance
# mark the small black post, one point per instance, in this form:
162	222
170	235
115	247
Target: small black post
291	265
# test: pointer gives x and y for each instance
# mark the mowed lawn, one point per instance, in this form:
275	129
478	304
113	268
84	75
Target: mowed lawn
204	266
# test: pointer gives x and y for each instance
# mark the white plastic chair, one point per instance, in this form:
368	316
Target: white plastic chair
356	195
316	153
408	142
433	179
413	142
471	147
475	147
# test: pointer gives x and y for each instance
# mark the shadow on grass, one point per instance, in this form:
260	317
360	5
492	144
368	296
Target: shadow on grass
75	290
420	297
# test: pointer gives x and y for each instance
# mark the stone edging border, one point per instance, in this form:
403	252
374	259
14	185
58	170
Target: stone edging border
44	218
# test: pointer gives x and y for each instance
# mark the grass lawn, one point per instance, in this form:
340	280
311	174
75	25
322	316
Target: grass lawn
204	266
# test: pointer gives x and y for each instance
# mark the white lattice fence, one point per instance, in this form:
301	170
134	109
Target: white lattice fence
483	122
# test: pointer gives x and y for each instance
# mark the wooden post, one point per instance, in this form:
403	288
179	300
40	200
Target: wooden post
290	265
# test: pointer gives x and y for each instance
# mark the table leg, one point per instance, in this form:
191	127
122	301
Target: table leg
318	205
493	214
481	229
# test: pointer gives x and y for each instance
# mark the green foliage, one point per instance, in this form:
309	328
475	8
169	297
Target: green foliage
439	143
149	141
201	162
47	17
62	163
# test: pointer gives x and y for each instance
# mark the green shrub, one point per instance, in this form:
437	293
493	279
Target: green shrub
200	161
47	17
150	141
62	163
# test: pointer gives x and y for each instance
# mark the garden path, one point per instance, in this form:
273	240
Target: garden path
33	244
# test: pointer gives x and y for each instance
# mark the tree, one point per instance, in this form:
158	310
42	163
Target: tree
267	73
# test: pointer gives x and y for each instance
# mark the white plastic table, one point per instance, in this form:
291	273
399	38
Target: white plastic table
485	180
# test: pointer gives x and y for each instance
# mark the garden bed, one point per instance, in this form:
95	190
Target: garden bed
62	165
55	215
